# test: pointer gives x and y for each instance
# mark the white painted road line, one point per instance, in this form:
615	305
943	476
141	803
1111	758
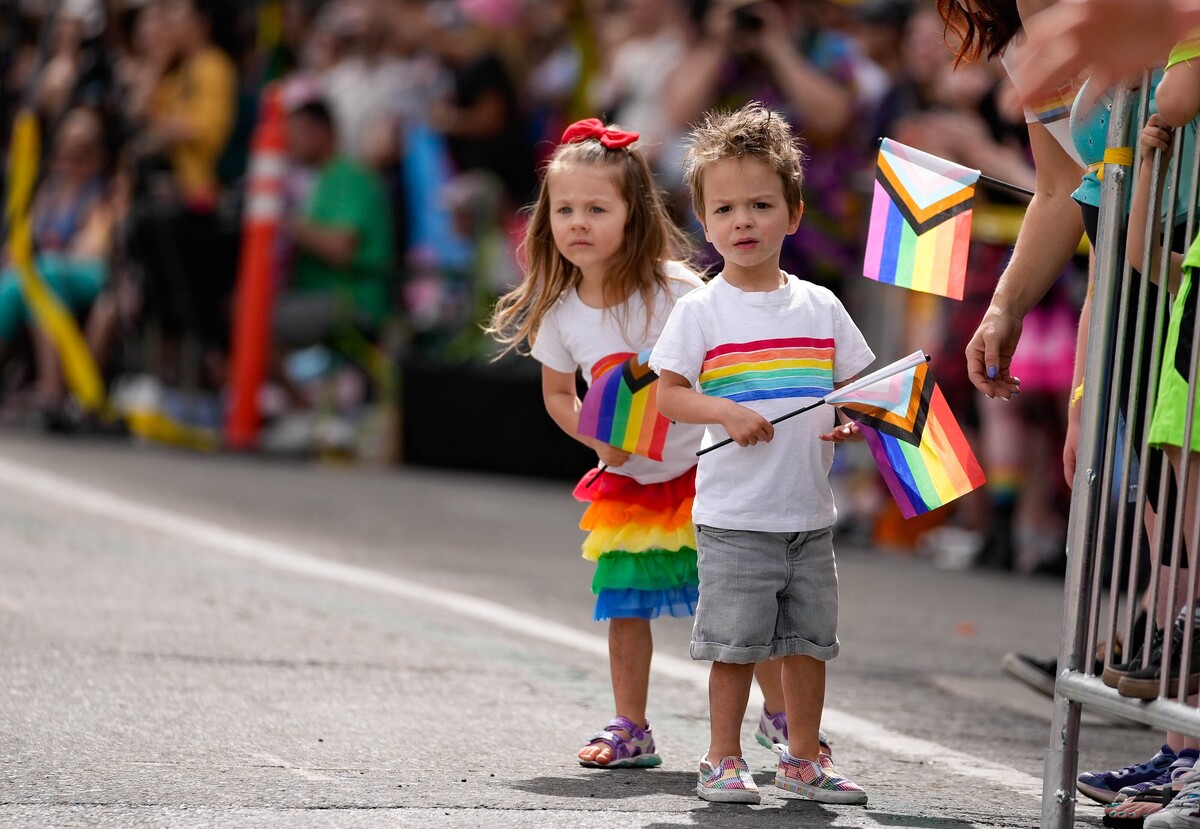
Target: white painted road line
69	494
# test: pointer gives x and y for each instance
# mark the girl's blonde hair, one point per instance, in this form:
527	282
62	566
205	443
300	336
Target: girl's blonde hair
651	238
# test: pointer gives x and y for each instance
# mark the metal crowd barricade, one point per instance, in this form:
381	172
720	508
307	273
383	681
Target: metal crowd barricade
1112	571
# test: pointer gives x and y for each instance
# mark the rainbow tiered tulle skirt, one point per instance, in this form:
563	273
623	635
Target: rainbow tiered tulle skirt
644	545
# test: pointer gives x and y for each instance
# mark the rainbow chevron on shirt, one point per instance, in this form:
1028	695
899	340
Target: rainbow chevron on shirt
769	369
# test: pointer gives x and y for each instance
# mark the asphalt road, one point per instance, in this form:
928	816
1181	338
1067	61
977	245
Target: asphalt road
195	641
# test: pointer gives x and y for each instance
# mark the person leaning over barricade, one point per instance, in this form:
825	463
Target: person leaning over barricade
1177	798
1059	212
1110	40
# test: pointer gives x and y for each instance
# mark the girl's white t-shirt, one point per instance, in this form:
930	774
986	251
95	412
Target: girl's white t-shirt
575	336
774	352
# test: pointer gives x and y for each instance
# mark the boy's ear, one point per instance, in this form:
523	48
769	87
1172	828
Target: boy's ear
794	224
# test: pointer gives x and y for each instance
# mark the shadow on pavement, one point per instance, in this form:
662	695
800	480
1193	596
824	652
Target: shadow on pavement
798	812
622	784
613	784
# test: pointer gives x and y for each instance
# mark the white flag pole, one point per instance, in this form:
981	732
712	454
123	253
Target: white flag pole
914	359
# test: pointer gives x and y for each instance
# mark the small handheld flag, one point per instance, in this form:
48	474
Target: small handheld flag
920	221
893	400
935	471
621	407
877	396
916	442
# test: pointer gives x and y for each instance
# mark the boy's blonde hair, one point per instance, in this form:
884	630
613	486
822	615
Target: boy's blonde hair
651	239
753	131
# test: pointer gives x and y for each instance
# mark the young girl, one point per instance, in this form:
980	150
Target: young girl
603	271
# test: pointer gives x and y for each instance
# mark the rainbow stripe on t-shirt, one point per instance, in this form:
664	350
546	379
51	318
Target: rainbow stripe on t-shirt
769	369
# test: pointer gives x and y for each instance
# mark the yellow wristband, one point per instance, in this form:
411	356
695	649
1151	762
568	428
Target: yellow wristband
1077	395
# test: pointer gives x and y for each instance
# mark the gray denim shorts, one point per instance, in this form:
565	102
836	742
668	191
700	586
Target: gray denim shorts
764	595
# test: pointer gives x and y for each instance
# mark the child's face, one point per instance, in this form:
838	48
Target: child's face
745	215
587	216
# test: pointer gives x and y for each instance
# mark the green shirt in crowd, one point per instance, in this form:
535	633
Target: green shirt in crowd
347	196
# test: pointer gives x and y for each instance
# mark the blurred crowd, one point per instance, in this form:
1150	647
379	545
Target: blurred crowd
415	129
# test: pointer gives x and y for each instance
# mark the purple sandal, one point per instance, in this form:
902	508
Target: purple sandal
635	751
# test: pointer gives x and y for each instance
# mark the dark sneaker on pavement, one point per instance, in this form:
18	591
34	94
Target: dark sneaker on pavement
1038	674
1103	786
1183	764
1143	683
1113	674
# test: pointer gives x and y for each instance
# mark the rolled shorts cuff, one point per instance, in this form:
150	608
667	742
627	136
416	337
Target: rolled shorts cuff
803	647
737	655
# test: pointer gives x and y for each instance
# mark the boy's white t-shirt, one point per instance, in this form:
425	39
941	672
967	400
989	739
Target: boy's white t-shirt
774	352
575	336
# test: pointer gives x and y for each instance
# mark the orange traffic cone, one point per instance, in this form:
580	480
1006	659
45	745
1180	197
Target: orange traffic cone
255	296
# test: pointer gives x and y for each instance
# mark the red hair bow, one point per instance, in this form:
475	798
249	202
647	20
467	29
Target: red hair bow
614	139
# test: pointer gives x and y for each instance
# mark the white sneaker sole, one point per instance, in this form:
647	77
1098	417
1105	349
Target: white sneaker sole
1101	796
750	796
820	795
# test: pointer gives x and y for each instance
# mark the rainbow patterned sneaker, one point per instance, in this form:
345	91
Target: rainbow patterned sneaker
820	781
727	782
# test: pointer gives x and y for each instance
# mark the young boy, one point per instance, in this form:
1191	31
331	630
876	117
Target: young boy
759	343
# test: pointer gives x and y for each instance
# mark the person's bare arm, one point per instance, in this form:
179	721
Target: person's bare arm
678	401
1047	241
1177	95
1071	441
824	107
1108	40
332	245
690	86
1156	137
563	405
481	120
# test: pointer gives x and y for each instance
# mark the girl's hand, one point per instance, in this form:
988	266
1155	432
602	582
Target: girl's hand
845	433
611	455
746	426
1155	136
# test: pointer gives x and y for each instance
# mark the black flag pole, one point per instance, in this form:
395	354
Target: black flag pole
887	371
599	469
1004	185
779	419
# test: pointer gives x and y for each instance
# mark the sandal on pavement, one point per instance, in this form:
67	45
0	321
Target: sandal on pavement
1116	815
635	751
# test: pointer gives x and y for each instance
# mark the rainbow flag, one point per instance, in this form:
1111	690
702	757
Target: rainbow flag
621	407
933	472
893	400
920	221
